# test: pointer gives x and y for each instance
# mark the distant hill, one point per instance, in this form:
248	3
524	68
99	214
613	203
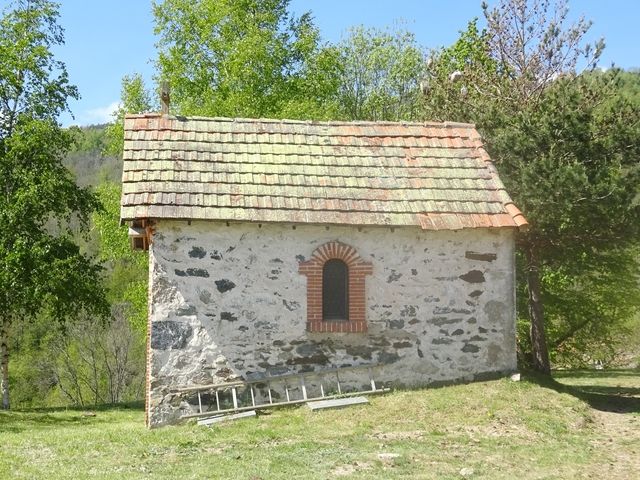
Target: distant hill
87	161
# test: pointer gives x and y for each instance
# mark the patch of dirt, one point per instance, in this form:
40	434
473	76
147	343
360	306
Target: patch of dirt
350	469
388	459
395	436
38	454
495	429
618	437
214	450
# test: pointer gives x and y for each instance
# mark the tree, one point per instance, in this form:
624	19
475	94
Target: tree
134	98
42	268
98	362
380	75
128	270
243	58
127	284
566	144
588	309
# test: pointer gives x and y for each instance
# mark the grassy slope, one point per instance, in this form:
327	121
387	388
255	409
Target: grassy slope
499	429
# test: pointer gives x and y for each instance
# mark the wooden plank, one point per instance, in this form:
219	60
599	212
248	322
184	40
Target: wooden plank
223	418
336	403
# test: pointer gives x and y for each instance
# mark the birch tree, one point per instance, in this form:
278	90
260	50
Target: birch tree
41	268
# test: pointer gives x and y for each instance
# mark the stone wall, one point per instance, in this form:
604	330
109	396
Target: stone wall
228	302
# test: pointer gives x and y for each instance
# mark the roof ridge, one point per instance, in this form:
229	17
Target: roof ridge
445	124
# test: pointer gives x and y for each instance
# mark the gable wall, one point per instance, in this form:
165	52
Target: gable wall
229	302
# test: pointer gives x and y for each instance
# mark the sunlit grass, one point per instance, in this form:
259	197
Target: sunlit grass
500	429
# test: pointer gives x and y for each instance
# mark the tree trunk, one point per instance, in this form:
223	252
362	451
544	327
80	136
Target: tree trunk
4	364
536	314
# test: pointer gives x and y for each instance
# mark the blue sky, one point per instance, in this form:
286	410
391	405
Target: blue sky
108	39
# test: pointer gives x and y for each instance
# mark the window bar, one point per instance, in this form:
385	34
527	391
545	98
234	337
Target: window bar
199	403
321	389
217	400
269	390
338	379
286	390
253	397
373	382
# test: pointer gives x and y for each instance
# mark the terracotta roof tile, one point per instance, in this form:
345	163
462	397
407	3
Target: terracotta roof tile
436	176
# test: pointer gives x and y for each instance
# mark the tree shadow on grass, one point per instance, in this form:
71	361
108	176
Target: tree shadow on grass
16	421
600	397
608	373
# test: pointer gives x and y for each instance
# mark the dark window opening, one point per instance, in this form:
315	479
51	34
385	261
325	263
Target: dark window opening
335	290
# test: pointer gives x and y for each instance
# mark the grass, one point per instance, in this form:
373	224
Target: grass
579	425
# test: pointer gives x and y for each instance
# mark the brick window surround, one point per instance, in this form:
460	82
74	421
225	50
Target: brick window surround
357	268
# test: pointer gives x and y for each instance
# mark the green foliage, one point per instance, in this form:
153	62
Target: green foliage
88	139
42	267
83	362
589	308
114	241
134	98
566	146
98	363
128	269
470	49
587	313
380	75
32	379
569	164
243	58
135	296
32	83
572	161
37	188
88	359
87	159
447	99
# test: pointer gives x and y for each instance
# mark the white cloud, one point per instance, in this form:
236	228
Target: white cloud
98	115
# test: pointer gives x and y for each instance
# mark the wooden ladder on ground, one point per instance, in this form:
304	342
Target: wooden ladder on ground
288	383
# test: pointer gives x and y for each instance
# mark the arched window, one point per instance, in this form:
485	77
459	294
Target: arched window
335	290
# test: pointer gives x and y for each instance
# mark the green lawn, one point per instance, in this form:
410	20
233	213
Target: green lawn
584	425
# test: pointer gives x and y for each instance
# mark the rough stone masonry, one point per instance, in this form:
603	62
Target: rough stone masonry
228	302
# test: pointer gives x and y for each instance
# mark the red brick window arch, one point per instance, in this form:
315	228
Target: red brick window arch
335	272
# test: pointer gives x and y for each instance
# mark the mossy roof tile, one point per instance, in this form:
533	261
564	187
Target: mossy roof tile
431	175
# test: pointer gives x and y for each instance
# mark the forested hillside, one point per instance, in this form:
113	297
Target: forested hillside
88	159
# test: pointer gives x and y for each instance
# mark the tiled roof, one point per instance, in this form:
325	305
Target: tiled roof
436	176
